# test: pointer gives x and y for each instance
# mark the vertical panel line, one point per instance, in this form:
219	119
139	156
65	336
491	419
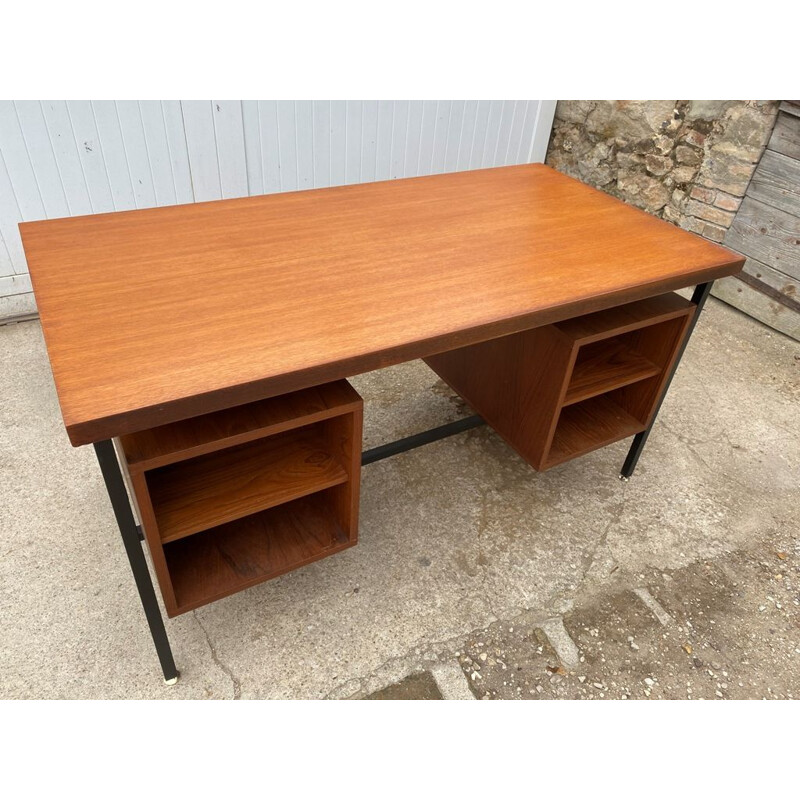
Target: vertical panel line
125	151
313	146
535	125
14	265
80	160
244	149
510	129
405	143
189	160
216	148
280	157
296	147
147	152
433	140
521	141
169	153
261	146
30	161
102	155
360	155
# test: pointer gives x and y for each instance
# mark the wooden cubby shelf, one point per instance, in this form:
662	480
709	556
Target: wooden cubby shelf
240	554
606	365
560	391
206	491
236	497
585	426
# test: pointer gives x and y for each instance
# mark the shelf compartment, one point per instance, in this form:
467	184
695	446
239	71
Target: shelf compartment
197	436
235	556
585	426
225	485
606	365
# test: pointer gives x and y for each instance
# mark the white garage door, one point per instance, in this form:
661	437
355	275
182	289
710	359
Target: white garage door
62	158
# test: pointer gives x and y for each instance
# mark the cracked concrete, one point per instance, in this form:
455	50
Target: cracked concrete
455	538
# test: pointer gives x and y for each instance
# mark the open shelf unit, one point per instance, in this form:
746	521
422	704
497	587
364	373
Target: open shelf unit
230	499
557	392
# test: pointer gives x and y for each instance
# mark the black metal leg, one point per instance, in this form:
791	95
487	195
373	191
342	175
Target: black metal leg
115	485
699	297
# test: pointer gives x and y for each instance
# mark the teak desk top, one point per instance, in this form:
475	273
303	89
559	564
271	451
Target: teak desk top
160	314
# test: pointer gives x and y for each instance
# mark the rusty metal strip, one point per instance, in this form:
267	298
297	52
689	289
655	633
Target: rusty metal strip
768	290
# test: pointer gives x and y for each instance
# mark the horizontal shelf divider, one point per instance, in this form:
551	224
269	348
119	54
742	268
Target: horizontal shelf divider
604	366
191	496
240	554
585	426
167	444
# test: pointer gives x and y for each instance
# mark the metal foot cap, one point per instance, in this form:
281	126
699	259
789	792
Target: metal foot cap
624	478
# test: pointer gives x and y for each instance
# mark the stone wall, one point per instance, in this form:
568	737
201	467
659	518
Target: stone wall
688	161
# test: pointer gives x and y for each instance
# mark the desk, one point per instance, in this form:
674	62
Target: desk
159	316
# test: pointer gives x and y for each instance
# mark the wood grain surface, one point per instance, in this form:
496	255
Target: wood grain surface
219	562
166	444
203	492
606	365
157	315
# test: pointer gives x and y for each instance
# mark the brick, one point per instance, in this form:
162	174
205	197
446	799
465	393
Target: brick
727	201
716	215
692	224
703	195
713	232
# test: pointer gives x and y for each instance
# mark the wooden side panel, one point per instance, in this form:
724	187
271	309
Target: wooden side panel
344	440
485	375
153	539
547	359
516	383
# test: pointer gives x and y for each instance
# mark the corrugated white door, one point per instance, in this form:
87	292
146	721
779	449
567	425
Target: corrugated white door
67	158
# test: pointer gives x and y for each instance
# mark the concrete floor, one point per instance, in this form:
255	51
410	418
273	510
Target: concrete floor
462	548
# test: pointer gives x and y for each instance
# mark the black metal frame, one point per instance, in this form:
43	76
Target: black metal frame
699	297
118	494
132	533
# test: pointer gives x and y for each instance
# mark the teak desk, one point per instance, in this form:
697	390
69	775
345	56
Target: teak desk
212	342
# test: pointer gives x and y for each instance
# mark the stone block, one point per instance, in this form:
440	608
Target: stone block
663	144
703	195
713	232
692	224
721	171
658	165
684	173
748	126
643	190
707	109
716	215
688	155
695	138
629	161
727	201
574	111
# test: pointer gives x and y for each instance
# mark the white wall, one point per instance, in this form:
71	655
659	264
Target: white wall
82	157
